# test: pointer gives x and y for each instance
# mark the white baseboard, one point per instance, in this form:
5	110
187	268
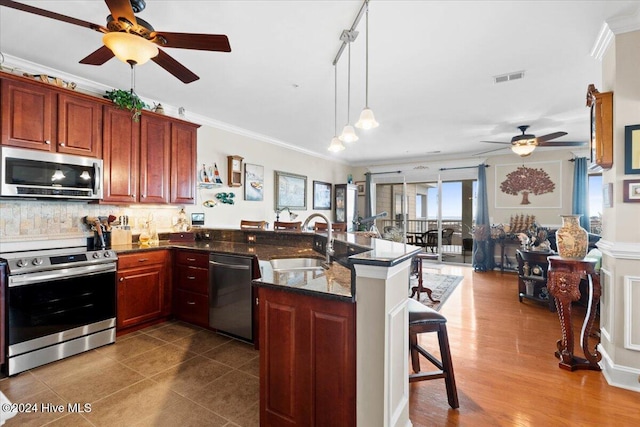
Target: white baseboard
619	376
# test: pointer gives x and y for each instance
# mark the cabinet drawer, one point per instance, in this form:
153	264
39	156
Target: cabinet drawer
191	307
142	259
196	259
192	279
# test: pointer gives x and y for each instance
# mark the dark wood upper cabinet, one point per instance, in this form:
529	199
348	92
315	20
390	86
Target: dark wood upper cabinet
183	163
79	126
155	158
120	154
28	115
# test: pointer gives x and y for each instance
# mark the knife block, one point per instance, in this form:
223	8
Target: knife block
120	237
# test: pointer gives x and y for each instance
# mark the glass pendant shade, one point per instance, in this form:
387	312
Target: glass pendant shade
367	120
336	145
523	150
348	134
130	48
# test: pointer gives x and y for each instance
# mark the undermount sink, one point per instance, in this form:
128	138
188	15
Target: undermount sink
282	264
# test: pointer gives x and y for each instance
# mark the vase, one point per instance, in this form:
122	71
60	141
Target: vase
571	239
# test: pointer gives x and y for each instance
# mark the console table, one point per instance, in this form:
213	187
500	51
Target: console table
564	280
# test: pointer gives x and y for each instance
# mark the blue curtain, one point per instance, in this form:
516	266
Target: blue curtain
580	205
482	258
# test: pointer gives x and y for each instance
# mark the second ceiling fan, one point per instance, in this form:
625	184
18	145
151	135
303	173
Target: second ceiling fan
524	144
124	32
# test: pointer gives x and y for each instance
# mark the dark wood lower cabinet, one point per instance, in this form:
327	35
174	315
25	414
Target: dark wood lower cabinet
307	360
144	288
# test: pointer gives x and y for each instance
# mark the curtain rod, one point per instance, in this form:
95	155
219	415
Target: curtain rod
381	173
353	27
462	167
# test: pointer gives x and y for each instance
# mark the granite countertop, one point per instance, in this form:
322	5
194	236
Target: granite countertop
335	282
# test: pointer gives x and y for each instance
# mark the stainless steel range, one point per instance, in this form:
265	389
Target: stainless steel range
59	302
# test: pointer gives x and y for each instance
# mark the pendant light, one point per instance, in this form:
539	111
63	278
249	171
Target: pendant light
335	145
367	120
348	133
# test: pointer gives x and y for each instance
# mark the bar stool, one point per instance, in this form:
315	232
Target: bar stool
423	319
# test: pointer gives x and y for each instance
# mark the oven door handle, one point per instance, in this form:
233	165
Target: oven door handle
64	273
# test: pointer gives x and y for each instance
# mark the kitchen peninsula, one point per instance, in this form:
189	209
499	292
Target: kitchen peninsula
333	344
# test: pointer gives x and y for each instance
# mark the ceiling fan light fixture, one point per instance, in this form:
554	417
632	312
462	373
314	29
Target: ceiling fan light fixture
523	150
130	48
336	145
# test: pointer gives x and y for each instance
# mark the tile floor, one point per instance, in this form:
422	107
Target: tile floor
166	375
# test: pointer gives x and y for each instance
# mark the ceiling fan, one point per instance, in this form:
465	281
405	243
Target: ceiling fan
524	144
124	30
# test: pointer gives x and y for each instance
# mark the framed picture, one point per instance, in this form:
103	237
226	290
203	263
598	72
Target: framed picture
290	191
321	195
631	191
361	187
607	195
632	149
253	182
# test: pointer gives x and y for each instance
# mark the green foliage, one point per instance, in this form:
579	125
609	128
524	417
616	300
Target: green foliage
127	100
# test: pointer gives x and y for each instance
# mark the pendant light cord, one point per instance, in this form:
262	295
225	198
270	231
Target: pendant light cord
366	79
349	86
335	99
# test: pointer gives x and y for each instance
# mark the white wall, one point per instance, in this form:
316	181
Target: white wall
214	145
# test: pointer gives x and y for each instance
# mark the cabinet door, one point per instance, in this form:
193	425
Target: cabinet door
120	154
28	115
79	126
155	143
140	295
307	360
183	163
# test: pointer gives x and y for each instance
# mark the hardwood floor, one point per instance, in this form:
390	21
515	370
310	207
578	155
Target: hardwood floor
505	368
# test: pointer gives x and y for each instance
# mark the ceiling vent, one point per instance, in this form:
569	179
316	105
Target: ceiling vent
508	77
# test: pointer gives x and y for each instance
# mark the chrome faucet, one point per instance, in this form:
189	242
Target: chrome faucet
329	248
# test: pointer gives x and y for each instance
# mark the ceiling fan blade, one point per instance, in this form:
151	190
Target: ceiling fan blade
98	57
497	142
174	67
211	42
52	15
121	9
489	151
562	143
550	136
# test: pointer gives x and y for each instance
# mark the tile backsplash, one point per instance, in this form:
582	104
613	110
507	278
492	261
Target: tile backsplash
31	220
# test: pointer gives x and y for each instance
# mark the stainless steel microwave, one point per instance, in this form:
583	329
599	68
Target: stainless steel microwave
40	174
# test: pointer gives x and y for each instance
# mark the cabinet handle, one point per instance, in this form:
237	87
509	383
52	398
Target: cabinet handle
62	144
257	301
191	259
47	142
144	196
191	303
143	260
191	277
122	279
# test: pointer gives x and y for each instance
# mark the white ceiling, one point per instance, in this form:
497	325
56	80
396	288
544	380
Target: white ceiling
431	68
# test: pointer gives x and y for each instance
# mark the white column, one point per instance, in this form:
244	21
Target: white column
382	345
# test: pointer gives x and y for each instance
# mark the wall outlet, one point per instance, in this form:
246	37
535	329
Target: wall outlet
251	238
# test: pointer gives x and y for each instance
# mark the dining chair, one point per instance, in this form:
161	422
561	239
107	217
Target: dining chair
291	226
336	226
260	225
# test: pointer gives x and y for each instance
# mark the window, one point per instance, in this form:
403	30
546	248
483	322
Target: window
595	203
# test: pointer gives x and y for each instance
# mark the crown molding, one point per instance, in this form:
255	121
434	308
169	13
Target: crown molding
613	27
19	66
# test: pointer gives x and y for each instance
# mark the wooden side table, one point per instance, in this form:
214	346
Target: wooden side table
564	280
418	289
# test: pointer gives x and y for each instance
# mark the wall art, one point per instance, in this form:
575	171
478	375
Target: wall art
535	185
253	182
631	191
290	191
632	149
321	195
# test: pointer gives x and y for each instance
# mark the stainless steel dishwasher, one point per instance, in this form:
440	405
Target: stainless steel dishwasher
230	308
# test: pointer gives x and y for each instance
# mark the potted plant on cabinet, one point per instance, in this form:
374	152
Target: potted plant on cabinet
127	100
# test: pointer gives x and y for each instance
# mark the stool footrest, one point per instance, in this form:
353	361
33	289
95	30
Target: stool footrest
431	358
426	376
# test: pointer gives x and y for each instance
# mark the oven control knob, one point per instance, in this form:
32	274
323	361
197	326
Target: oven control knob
22	262
37	261
96	255
107	254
